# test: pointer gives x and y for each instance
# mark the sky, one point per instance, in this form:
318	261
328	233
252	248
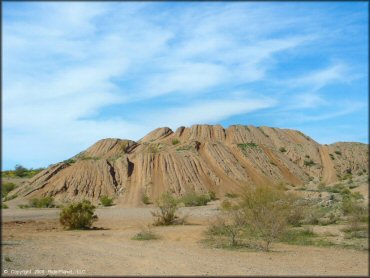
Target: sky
78	72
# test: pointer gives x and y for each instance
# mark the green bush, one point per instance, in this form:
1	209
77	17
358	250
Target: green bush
321	187
167	207
272	163
212	195
44	202
304	237
191	199
184	148
106	201
226	205
231	195
6	187
261	214
4	206
266	210
245	146
145	234
11	197
146	199
309	163
338	152
296	216
282	149
78	215
70	161
175	141
230	226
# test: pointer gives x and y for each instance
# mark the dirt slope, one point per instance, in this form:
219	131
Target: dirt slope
200	158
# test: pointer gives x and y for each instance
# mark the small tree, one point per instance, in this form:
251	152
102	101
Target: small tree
231	225
20	171
266	211
167	206
78	215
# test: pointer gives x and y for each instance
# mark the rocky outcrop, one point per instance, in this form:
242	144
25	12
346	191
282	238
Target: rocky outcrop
200	158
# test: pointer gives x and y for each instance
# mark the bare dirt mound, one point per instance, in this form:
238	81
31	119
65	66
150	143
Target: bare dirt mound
200	158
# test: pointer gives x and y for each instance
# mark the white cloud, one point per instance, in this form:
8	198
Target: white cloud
205	111
338	72
65	62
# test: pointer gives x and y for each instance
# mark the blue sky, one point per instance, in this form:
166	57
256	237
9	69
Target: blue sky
77	72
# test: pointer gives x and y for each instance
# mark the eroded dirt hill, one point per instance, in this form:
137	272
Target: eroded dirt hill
201	158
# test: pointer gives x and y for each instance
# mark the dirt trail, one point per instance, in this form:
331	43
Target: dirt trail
329	174
33	239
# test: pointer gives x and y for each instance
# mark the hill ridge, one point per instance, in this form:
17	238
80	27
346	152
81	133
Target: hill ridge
199	158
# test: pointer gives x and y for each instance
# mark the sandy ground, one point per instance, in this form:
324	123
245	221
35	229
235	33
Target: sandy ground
34	240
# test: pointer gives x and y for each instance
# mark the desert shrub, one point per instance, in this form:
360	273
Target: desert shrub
298	236
352	186
225	205
339	188
146	199
167	206
266	210
106	201
245	146
296	216
184	148
175	141
338	152
70	161
304	237
321	187
212	195
313	215
146	233
261	214
191	199
357	196
231	225
6	187
154	148
82	157
11	197
23	206
356	212
4	206
44	202
282	149
231	195
309	162
351	205
78	215
346	176
272	163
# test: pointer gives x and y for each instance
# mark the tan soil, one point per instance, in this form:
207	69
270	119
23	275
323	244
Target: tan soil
33	239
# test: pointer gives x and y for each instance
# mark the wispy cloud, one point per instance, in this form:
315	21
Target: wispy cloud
337	73
68	66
